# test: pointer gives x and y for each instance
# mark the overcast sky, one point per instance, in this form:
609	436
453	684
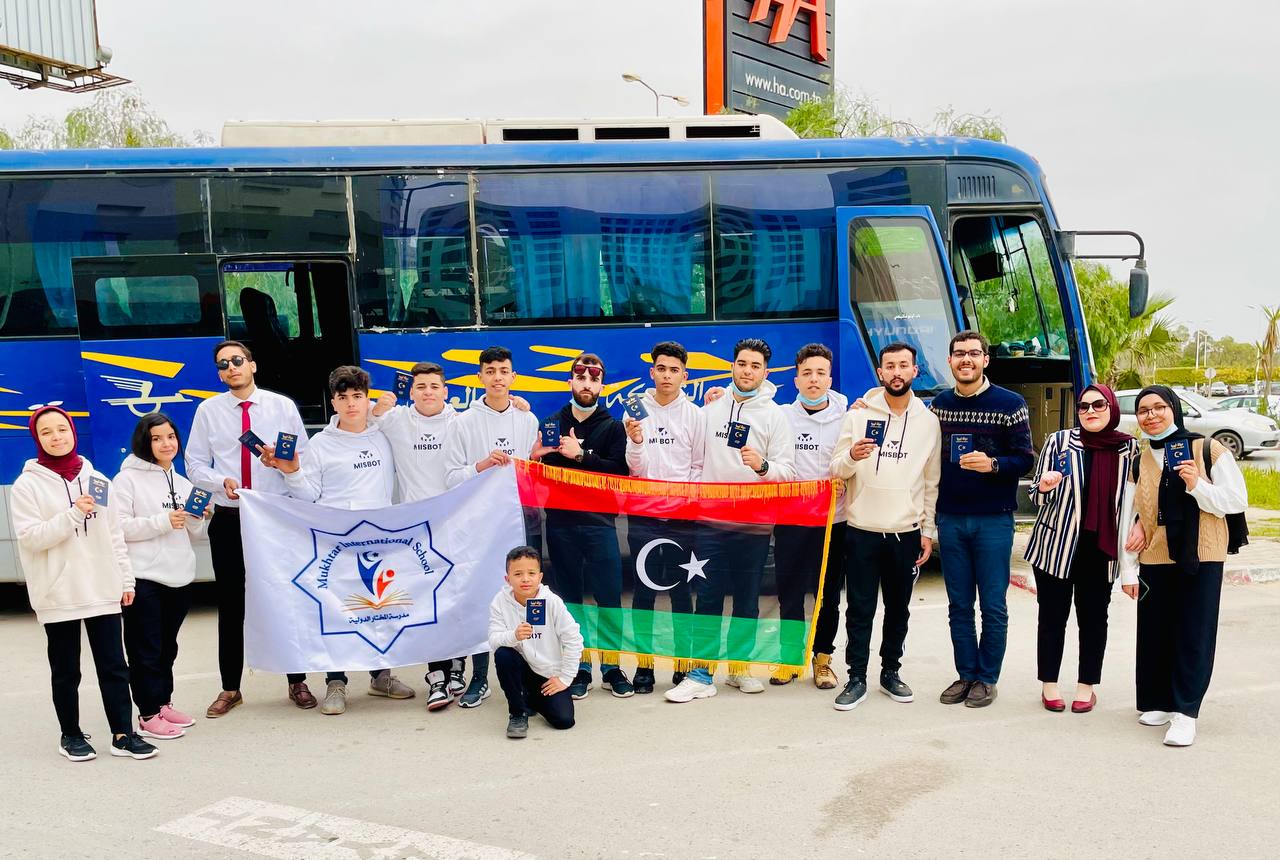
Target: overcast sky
1153	115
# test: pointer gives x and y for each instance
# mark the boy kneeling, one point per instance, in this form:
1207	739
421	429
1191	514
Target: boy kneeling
536	646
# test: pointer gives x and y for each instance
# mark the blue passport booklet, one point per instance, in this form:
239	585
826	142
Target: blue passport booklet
738	433
961	444
286	446
635	408
550	431
404	382
253	442
876	429
535	611
1064	463
1177	452
98	490
197	502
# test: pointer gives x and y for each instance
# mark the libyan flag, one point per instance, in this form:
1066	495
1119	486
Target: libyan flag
680	571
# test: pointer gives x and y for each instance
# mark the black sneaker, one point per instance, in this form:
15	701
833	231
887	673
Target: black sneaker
581	684
893	687
643	681
853	694
76	748
132	746
615	681
438	695
457	679
518	727
477	692
677	677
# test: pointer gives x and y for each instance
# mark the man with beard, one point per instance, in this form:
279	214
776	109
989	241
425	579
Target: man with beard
584	544
986	447
888	452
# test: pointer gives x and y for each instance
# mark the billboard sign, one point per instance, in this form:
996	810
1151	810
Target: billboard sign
54	44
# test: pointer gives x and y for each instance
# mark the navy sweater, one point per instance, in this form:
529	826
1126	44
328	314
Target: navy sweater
997	418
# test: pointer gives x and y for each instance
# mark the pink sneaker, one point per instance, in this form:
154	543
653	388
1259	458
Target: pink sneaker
174	717
160	728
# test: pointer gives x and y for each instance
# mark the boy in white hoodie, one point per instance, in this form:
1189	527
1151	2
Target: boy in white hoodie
158	533
891	498
536	649
348	465
78	575
489	433
736	555
815	418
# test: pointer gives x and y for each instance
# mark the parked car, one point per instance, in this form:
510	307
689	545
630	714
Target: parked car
1218	388
1240	388
1240	430
1250	402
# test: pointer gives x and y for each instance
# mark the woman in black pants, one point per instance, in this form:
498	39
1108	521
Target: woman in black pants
1084	495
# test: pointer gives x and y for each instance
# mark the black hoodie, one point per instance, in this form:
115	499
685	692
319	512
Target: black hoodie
604	449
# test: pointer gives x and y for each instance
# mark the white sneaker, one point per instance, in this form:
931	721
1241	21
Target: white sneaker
688	690
745	683
1182	731
1155	718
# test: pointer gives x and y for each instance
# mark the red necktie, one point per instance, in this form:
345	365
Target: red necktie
246	464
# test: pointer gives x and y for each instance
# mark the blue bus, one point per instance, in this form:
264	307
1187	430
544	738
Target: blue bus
120	269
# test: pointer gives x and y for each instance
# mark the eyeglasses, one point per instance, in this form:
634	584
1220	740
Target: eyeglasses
237	360
581	371
1092	406
967	353
1153	410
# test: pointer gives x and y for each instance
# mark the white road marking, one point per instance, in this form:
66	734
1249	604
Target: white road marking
274	830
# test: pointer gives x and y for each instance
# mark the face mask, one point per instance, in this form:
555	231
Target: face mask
1164	434
585	410
738	392
812	404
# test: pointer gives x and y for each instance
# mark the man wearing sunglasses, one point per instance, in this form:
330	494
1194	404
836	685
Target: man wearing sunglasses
216	461
986	448
583	544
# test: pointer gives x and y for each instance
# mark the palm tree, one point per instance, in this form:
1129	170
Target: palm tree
1267	349
1126	351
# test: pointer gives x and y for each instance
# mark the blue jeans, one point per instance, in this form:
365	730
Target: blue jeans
975	551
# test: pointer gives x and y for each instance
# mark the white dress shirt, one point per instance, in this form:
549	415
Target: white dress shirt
213	449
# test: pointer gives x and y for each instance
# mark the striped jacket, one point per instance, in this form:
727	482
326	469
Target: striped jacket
1057	529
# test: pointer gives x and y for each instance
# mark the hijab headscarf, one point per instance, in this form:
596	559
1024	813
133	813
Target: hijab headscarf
1103	479
1179	510
66	465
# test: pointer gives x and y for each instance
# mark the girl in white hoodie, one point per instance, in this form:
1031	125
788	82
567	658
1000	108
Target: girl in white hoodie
150	495
77	570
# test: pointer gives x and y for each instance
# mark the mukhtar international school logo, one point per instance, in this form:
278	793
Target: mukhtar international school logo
374	583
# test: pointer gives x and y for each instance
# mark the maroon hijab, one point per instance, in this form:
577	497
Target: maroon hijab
68	465
1104	473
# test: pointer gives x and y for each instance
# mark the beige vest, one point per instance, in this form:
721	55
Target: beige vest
1213	529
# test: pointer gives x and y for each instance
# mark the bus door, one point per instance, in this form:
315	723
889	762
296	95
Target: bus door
894	286
148	325
296	316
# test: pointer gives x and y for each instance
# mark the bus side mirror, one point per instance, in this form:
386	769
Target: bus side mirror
1138	289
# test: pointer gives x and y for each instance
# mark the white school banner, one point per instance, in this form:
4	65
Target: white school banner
330	589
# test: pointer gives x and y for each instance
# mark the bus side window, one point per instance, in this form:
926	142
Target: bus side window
146	297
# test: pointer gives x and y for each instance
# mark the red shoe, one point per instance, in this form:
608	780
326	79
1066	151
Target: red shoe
1055	705
1084	707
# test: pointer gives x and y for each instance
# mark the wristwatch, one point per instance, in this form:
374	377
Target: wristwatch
580	455
764	467
995	466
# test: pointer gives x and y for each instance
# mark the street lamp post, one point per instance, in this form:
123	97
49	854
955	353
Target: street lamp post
657	96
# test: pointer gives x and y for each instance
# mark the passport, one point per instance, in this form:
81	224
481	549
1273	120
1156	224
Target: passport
535	611
550	431
1177	452
286	446
738	433
961	444
404	382
98	490
635	408
1064	463
876	430
253	442
197	502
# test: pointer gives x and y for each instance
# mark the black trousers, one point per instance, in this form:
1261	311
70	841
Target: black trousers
1177	636
886	562
108	659
797	558
1087	581
523	688
151	625
227	552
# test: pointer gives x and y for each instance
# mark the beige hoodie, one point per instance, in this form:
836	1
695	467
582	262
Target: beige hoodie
75	566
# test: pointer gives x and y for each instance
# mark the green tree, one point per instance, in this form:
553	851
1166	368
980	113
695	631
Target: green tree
1268	351
116	118
1126	351
846	114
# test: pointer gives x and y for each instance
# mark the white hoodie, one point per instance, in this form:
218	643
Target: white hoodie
895	489
75	566
555	648
770	435
421	447
354	471
674	440
815	439
159	552
481	429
